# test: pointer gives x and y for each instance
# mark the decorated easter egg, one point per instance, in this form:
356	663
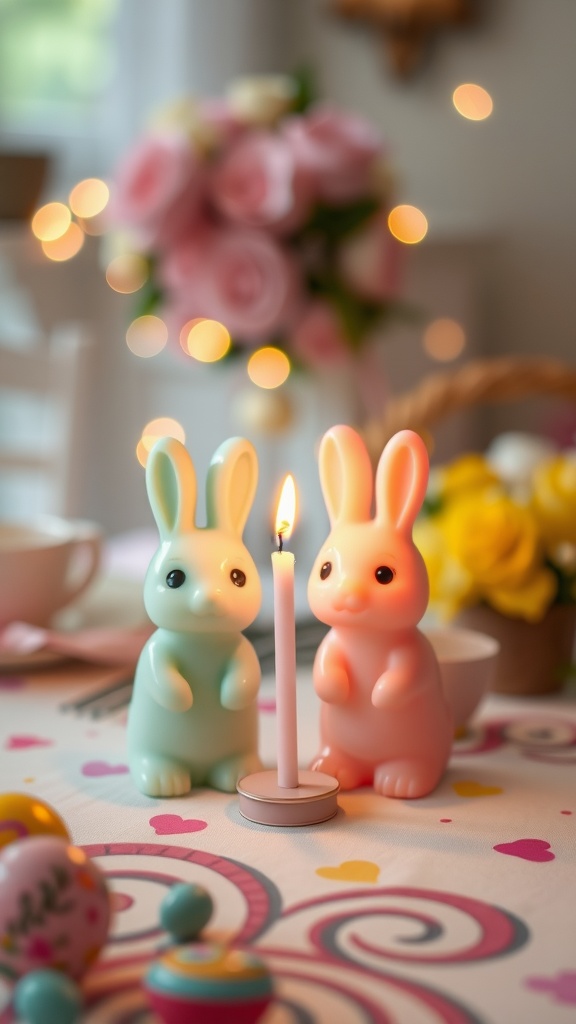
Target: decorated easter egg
208	984
54	907
22	815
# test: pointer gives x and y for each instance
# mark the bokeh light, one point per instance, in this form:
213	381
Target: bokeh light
127	273
268	367
66	245
89	197
205	340
51	221
147	336
163	426
408	224
444	339
472	101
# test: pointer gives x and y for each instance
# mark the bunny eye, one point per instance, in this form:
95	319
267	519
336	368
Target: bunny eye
325	570
238	577
175	578
384	574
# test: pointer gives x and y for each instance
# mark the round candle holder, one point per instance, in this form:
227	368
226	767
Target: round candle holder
313	800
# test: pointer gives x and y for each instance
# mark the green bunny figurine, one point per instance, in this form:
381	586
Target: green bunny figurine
193	718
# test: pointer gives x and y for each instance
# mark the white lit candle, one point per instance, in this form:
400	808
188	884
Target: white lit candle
287	795
285	640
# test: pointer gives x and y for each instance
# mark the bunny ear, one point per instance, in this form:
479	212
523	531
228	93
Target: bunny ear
401	480
171	486
231	485
345	476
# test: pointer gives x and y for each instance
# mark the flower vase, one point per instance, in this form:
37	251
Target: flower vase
534	656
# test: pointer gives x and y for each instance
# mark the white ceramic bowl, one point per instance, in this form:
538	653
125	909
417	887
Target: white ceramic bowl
467	661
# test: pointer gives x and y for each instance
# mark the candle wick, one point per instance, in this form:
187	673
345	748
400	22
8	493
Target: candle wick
280	541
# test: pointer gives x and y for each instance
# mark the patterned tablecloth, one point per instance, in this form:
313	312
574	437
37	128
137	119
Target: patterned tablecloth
457	908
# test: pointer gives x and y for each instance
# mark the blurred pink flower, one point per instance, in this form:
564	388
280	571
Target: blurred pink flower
158	187
336	149
181	264
371	261
257	183
241	277
260	211
318	338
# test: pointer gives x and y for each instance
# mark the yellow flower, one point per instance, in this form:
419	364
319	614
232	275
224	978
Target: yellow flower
530	600
451	588
466	474
554	499
495	539
262	99
497	544
185	116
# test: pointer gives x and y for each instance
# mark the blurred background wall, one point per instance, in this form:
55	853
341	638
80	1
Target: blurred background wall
499	196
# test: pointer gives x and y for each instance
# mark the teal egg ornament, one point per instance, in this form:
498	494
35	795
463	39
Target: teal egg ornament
185	910
47	997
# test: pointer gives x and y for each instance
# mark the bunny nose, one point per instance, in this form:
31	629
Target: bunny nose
205	601
351	596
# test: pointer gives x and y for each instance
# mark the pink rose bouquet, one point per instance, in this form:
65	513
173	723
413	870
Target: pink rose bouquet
265	212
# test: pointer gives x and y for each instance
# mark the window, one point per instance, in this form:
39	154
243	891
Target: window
55	61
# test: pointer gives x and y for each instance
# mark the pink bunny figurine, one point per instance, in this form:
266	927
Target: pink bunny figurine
384	720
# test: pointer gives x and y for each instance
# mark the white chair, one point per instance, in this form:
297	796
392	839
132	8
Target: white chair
43	395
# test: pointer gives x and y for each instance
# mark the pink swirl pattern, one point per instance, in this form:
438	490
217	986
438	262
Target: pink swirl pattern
540	739
331	961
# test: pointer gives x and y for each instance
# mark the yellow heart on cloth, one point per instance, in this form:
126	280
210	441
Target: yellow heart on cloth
352	871
468	787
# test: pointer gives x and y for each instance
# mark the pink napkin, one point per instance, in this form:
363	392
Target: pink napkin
100	646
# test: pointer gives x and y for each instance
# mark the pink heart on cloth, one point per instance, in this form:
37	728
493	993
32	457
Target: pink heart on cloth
562	986
96	769
25	742
174	824
537	850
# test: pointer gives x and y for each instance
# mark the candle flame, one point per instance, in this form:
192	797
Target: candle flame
286	512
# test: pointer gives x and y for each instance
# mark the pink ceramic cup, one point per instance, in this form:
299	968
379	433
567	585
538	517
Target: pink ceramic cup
44	565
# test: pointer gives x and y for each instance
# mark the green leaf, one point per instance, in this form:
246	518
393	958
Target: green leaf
150	298
236	350
333	223
306	92
565	583
358	316
432	505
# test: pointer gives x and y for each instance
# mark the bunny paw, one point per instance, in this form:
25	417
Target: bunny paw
406	780
226	774
348	773
332	687
157	776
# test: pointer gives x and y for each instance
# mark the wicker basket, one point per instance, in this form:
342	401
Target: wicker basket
481	382
533	658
